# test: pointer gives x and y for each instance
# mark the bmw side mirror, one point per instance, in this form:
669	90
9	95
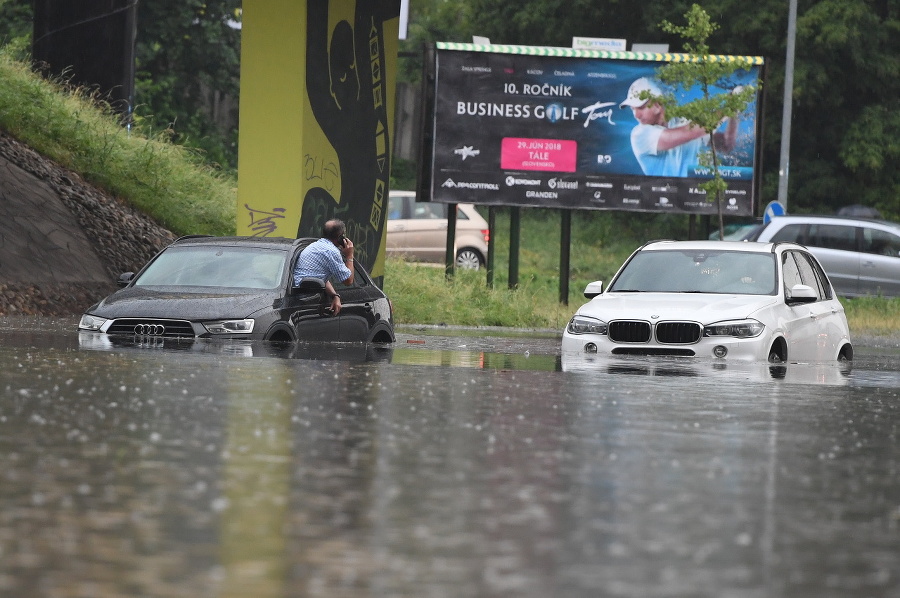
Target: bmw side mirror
124	279
593	289
801	293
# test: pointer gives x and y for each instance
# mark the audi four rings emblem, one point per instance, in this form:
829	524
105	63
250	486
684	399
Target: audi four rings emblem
149	329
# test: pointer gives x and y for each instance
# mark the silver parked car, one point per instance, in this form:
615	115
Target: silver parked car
418	231
860	255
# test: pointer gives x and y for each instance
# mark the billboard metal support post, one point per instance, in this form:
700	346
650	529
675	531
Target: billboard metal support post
492	227
515	225
565	245
450	259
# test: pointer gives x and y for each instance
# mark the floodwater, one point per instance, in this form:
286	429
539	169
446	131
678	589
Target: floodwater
451	465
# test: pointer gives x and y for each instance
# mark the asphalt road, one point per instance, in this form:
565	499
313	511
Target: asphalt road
452	464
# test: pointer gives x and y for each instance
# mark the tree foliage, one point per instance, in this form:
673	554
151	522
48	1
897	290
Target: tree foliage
846	81
188	67
15	25
188	64
845	127
718	100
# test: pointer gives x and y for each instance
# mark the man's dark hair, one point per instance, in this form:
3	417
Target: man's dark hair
334	229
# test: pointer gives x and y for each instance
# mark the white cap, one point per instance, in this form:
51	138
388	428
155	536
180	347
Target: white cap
643	84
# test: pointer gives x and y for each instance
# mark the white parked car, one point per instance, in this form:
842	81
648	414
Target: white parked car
720	299
418	231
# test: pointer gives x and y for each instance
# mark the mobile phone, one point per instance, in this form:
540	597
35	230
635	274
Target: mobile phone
343	240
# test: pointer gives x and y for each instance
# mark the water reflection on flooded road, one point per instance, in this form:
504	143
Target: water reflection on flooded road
444	466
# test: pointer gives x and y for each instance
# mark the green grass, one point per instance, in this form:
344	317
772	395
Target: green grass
877	316
422	295
183	193
167	181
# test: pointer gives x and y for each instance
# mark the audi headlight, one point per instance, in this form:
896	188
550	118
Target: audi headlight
586	325
735	328
230	326
92	323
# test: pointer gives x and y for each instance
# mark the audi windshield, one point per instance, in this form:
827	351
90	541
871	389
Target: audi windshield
215	266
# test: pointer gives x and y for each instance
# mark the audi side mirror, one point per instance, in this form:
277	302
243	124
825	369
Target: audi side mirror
309	285
124	279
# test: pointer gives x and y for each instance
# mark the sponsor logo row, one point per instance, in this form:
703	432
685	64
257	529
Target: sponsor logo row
598	193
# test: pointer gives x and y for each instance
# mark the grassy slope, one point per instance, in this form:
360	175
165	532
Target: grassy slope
176	187
166	181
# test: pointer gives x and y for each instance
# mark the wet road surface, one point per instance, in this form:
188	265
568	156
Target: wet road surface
450	465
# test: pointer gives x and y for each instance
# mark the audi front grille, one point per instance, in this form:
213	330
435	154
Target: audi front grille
678	333
629	331
151	328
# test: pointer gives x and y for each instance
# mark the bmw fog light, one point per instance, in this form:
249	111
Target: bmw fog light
720	351
230	326
590	348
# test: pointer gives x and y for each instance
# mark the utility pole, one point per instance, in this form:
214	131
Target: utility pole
784	164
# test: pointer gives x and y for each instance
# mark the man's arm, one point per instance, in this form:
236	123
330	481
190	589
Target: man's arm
727	140
335	298
347	255
676	136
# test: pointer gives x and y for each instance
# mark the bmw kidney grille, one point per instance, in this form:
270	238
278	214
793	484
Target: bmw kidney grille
667	333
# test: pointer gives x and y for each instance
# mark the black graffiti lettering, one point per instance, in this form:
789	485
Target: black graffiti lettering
316	169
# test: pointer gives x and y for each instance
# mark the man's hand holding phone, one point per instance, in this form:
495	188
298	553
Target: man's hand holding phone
346	249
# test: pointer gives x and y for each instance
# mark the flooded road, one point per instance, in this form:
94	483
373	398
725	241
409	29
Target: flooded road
450	465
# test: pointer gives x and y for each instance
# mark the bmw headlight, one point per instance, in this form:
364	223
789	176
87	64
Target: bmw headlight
230	326
92	323
586	325
735	328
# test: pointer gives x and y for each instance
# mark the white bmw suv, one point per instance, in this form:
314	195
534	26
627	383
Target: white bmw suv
725	300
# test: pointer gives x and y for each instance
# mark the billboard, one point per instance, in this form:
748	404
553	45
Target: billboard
556	127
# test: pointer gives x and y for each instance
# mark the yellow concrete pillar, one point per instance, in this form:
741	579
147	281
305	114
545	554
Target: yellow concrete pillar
318	80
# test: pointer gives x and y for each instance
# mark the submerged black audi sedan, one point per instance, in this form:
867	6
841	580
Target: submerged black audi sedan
238	288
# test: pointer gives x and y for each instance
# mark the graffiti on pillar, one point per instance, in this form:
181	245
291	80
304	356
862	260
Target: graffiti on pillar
263	222
345	81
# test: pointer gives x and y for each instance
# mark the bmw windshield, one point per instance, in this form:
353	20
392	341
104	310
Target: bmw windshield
698	271
215	266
